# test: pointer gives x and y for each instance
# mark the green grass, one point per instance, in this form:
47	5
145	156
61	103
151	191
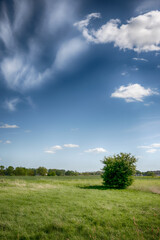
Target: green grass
76	208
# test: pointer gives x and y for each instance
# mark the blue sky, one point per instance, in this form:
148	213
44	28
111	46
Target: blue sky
79	80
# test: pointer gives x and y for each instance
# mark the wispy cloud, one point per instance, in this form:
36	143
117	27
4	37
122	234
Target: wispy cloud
25	64
8	126
141	33
140	59
124	73
11	104
152	148
96	150
49	151
7	142
70	145
133	92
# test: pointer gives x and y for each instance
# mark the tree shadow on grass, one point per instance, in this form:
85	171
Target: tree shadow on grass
99	187
96	187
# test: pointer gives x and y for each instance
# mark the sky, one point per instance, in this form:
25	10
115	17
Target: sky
79	80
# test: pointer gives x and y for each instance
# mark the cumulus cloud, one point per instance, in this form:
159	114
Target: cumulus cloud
70	145
11	104
96	150
53	149
8	126
56	147
141	33
133	92
152	148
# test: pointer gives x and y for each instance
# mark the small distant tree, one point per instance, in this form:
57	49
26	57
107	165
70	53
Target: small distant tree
10	171
51	172
42	171
2	170
150	174
20	171
118	170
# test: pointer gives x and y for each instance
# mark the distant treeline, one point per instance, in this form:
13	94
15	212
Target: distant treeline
42	171
148	173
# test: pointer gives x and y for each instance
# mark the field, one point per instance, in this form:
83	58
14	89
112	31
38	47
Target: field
76	208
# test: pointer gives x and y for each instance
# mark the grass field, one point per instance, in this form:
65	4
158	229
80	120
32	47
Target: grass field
75	208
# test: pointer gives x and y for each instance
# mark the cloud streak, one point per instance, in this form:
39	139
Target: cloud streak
152	148
8	126
11	104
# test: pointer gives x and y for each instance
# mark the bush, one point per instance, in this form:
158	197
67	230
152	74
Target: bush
118	170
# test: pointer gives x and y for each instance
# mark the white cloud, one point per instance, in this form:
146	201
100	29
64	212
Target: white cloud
56	147
7	142
11	104
0	141
49	151
71	145
155	145
133	92
20	74
96	150
141	33
22	69
134	68
158	66
84	23
8	126
140	59
53	149
148	104
152	150
124	73
68	51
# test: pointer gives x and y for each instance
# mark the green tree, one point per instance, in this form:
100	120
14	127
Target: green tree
2	170
51	172
10	171
20	171
118	170
31	171
42	171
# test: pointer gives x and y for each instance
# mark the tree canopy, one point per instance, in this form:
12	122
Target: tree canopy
118	170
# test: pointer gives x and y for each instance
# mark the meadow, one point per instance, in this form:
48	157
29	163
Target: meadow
76	208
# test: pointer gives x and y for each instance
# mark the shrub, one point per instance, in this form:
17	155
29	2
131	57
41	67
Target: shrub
118	170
